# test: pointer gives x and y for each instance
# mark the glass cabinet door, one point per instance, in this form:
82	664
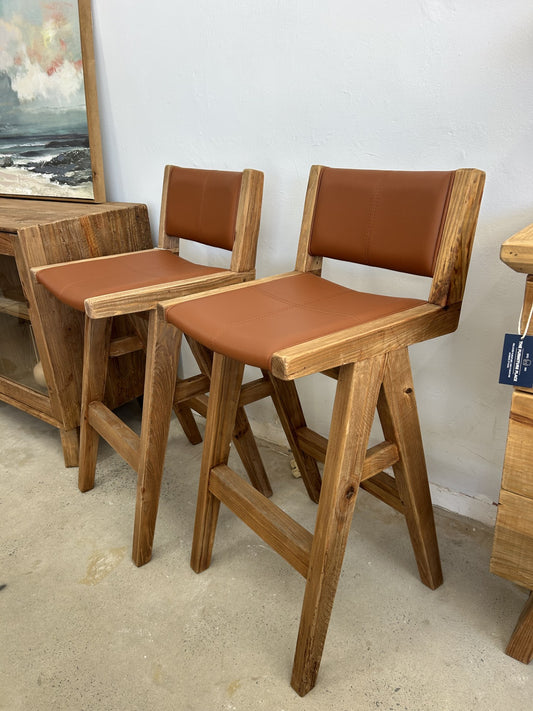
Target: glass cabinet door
19	360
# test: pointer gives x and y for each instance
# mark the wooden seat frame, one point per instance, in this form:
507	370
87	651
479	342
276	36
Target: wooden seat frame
371	365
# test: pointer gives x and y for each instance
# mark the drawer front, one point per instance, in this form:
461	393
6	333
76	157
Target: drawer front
518	465
512	551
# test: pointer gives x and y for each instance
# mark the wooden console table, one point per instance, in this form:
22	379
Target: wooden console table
41	349
512	553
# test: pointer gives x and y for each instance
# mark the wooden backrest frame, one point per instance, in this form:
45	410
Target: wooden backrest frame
453	258
246	225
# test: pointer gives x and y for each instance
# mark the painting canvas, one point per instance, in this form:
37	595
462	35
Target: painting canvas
49	132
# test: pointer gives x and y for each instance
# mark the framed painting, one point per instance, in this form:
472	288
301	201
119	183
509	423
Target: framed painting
50	145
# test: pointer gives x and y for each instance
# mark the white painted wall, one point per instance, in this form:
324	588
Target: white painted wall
281	84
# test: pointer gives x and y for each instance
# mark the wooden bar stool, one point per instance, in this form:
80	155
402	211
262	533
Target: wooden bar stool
299	323
220	209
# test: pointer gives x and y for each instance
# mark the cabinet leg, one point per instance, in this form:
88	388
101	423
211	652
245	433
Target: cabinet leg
70	441
521	643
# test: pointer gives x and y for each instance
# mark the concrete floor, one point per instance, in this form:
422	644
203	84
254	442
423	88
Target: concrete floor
81	628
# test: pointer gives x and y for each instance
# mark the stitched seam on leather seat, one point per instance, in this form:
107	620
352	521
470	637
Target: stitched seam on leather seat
313	306
315	309
321	299
265	288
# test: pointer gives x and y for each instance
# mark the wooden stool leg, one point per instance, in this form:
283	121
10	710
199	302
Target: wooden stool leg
162	355
95	359
521	643
246	446
188	423
243	437
399	420
353	413
290	413
224	395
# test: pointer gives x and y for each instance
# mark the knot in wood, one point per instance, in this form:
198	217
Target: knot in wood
408	391
349	492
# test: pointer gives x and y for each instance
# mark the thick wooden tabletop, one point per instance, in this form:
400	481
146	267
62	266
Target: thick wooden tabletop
17	213
517	251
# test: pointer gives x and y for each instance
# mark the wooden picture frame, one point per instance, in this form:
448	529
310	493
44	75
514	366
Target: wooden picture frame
50	144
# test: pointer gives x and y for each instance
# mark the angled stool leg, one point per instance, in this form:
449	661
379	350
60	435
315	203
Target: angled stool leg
186	419
188	423
243	437
353	413
291	415
183	413
161	370
399	420
246	446
226	380
95	359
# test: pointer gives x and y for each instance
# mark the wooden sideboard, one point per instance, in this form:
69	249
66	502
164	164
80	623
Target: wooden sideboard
512	552
41	348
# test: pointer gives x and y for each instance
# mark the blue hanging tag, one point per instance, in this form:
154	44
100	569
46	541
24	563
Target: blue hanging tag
517	361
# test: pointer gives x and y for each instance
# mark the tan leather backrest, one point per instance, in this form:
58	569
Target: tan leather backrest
201	205
390	219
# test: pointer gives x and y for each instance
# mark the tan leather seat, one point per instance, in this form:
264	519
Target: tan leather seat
278	314
298	324
75	282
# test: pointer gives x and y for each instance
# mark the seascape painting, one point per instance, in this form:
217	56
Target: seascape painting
45	146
